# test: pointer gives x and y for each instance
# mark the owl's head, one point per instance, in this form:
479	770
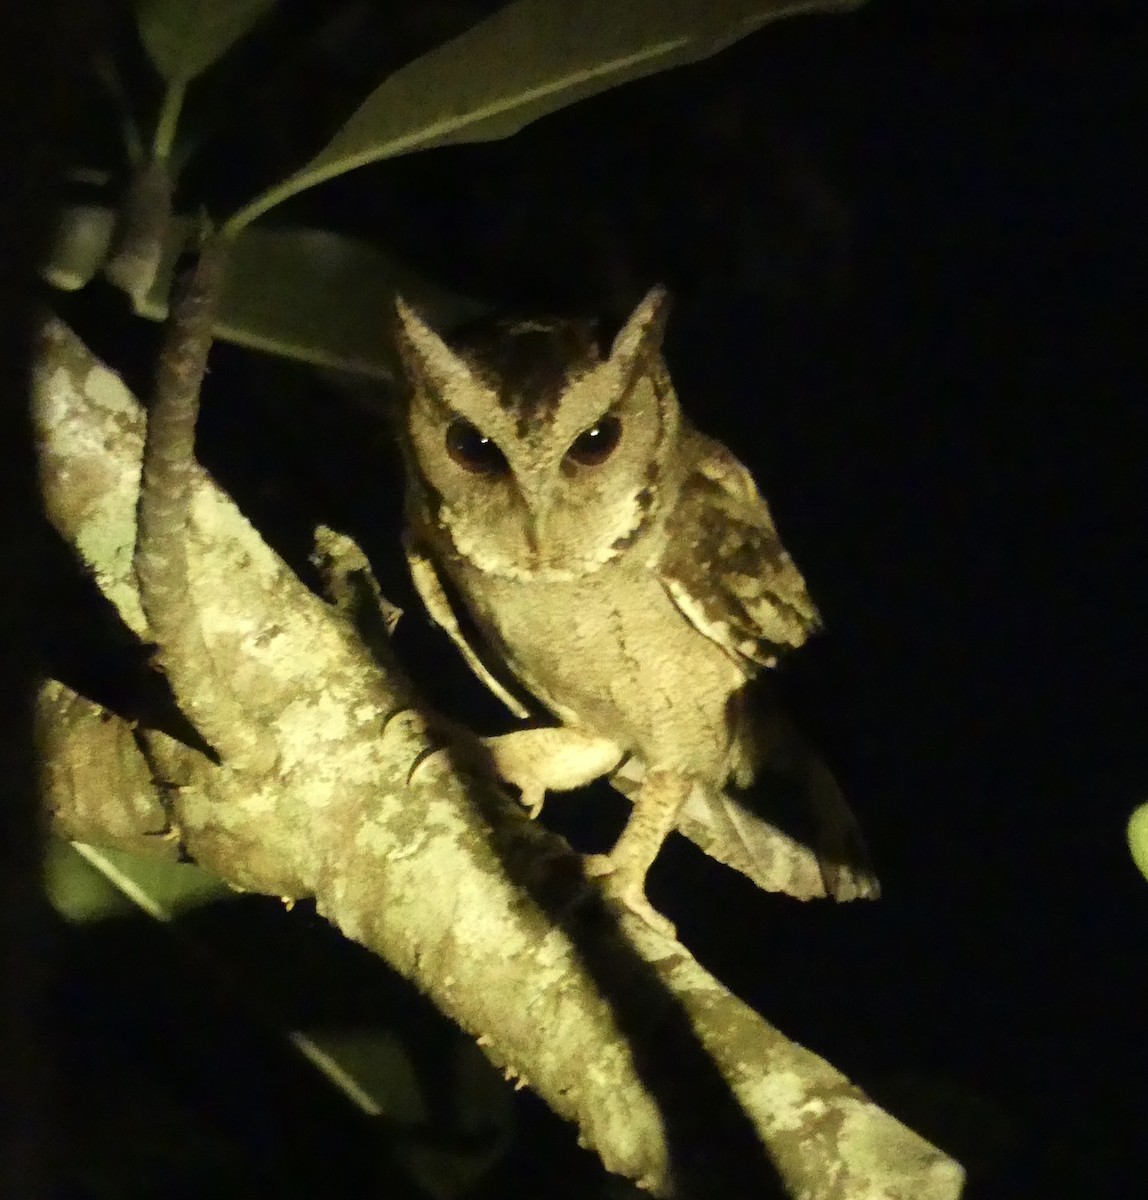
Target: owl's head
537	454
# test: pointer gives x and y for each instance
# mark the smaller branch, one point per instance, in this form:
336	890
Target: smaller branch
163	515
143	224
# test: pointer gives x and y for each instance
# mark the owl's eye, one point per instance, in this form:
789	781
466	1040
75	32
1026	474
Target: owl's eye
594	445
474	451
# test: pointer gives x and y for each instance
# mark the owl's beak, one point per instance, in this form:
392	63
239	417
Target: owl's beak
539	510
533	538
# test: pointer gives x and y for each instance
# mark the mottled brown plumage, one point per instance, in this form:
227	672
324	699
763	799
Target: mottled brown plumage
623	568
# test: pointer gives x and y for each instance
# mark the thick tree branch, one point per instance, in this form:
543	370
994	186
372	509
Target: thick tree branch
671	1080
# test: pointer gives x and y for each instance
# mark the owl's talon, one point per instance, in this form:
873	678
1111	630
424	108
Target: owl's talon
629	893
633	899
532	799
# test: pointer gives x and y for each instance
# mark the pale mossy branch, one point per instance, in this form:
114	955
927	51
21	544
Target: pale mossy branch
528	59
672	1081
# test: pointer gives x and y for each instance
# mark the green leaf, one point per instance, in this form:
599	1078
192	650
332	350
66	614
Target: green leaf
88	884
448	1127
469	1104
184	37
1138	838
528	59
301	293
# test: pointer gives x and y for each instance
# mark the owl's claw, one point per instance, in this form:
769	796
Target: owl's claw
532	799
622	888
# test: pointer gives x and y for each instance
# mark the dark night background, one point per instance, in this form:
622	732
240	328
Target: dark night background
908	254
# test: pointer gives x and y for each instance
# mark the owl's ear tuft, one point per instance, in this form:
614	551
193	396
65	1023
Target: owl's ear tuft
641	336
422	353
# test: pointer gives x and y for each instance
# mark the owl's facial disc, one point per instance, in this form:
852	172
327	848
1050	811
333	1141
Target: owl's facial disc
539	458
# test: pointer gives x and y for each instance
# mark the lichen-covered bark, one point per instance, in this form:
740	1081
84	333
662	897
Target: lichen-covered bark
671	1080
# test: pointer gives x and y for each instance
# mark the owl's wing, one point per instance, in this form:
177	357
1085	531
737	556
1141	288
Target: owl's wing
726	570
433	595
724	565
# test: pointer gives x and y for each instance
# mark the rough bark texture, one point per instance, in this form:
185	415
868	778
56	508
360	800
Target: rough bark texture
671	1080
163	512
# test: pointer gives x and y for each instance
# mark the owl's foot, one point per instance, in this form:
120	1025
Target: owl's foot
628	890
656	806
550	759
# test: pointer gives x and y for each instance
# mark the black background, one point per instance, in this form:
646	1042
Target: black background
908	249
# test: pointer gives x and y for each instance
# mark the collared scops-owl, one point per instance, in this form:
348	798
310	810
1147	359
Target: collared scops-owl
623	569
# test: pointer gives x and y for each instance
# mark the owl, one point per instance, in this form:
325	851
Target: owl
622	569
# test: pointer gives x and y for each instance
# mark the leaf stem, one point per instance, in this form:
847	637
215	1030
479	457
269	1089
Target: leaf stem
291	186
168	120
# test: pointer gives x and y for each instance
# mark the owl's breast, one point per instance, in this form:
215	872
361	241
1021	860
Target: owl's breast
612	653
